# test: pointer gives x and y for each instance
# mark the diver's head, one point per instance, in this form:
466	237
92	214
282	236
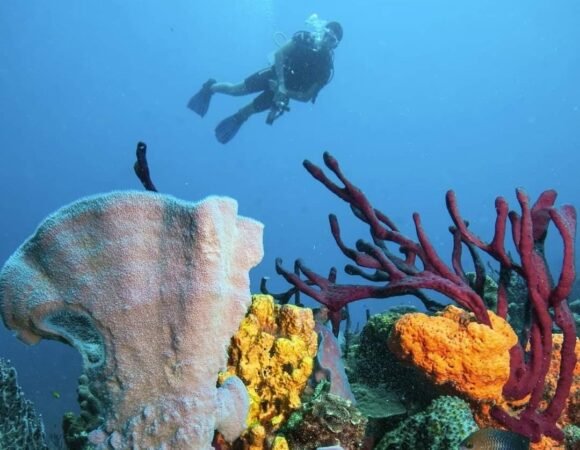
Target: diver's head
332	34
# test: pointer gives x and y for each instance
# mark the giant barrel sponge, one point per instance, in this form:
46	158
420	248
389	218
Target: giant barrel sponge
150	290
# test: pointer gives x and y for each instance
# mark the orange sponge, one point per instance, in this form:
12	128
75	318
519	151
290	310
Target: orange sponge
452	348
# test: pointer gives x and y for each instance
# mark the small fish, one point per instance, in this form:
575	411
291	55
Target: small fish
494	439
55	394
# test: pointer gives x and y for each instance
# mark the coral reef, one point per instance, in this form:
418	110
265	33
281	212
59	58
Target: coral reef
20	427
272	353
420	267
473	361
571	414
378	403
150	289
386	389
280	443
75	432
572	433
575	304
325	420
76	429
373	363
570	417
488	289
575	308
442	426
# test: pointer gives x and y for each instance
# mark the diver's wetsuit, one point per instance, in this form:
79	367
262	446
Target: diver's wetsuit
304	65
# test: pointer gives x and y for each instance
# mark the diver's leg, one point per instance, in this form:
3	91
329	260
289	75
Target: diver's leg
257	82
199	103
247	111
264	101
230	88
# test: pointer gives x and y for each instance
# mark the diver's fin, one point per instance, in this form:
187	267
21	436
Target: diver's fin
228	128
199	103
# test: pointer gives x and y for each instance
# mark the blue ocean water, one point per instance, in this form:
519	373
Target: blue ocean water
479	97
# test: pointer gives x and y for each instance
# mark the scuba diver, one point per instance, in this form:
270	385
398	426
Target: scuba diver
301	68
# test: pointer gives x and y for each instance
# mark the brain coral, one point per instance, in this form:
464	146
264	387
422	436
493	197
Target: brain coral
442	426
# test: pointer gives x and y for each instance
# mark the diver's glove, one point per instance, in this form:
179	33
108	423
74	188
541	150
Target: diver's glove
281	101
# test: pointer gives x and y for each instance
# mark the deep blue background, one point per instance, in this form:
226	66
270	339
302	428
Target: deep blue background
480	97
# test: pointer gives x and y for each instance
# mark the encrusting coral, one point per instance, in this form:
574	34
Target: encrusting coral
442	426
272	353
150	289
373	364
325	420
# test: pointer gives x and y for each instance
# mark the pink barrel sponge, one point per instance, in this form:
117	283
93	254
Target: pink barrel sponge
150	290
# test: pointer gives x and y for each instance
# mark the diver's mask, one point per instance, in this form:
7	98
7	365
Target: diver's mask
329	39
